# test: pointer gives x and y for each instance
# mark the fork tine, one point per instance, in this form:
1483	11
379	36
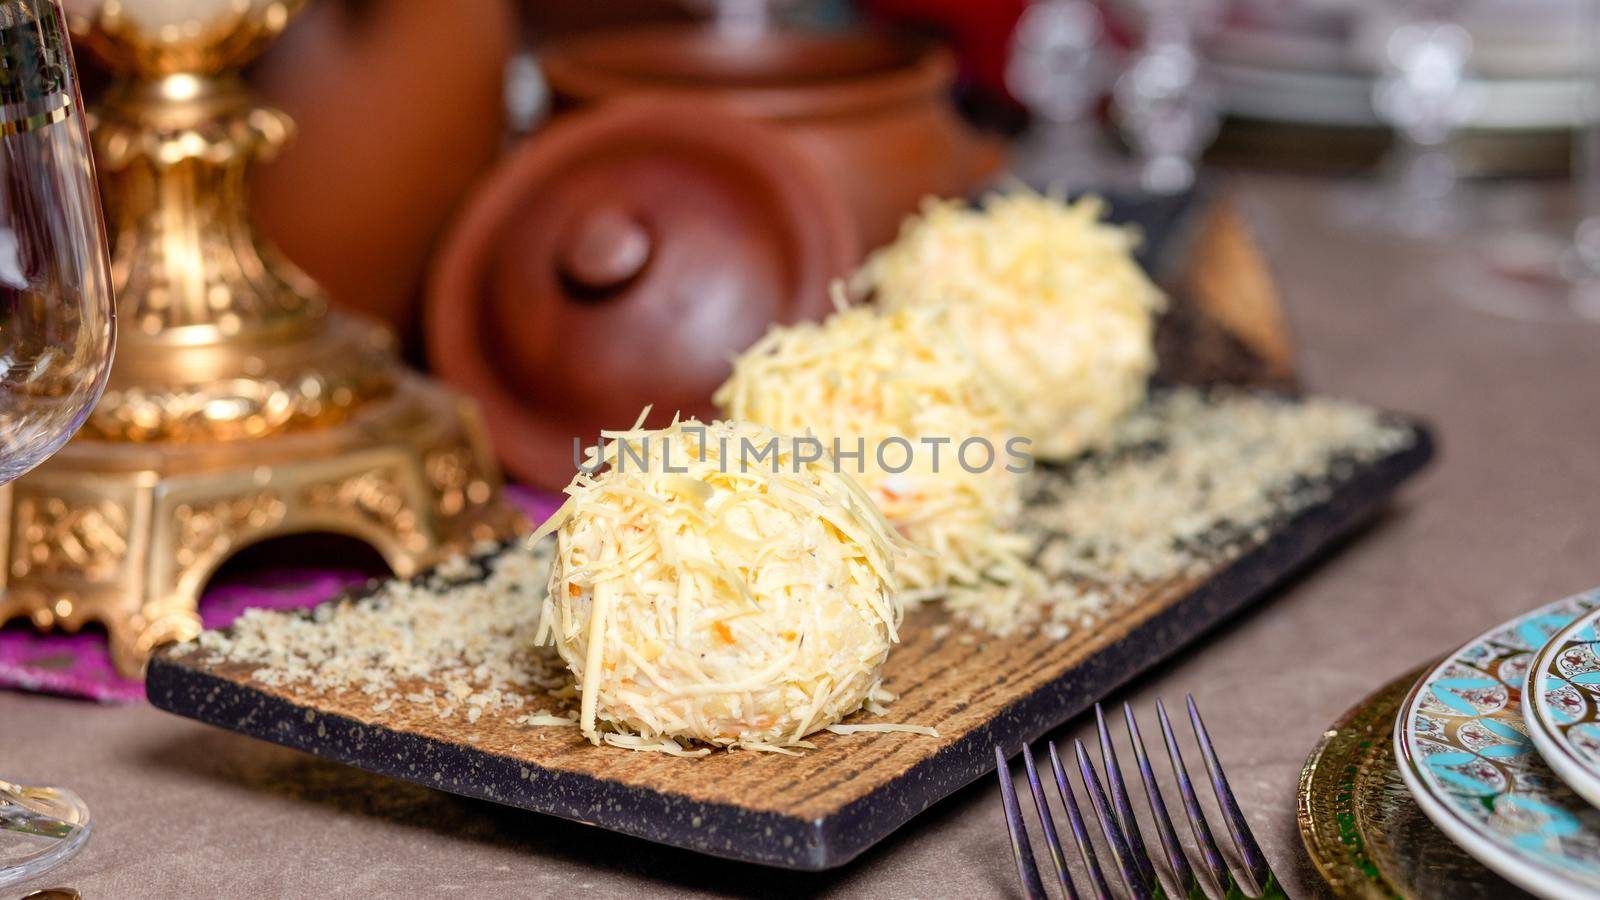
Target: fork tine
1176	858
1047	822
1243	839
1191	806
1080	834
1119	801
1021	850
1109	825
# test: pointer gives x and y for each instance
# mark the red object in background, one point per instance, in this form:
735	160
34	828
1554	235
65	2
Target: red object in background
979	32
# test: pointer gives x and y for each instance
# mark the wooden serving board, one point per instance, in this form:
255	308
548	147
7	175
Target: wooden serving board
822	808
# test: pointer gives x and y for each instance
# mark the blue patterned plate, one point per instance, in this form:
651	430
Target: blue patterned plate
1562	705
1465	754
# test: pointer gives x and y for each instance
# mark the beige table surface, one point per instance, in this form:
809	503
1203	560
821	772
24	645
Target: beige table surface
1506	518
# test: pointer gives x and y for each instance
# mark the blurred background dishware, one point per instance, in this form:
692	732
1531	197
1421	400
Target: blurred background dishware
1166	99
56	333
1297	83
1551	271
1424	94
1060	66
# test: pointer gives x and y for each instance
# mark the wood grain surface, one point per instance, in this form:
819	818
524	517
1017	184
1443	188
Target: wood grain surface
812	811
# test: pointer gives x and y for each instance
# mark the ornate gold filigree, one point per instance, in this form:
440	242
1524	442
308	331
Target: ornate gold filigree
52	536
456	480
239	407
209	530
376	497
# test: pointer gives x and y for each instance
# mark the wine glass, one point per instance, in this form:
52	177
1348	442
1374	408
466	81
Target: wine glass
57	329
1167	102
1532	273
1424	92
1059	68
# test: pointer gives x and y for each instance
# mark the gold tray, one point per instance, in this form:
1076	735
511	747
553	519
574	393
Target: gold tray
1363	831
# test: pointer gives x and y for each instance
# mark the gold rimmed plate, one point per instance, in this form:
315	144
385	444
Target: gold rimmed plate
1364	833
1561	705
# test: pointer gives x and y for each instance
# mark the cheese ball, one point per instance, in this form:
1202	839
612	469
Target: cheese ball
711	585
864	381
1049	299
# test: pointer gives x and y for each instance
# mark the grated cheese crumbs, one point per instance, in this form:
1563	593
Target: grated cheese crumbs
861	381
1053	308
698	599
1185	483
474	640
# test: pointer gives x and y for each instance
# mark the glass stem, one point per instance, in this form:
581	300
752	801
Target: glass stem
18	814
1427	172
1586	149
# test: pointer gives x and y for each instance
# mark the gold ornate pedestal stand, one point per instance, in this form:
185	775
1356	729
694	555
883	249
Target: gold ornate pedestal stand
240	408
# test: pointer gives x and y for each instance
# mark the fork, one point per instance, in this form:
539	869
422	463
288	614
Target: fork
1119	828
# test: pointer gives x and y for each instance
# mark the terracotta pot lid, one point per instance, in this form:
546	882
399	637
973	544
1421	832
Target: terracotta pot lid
620	258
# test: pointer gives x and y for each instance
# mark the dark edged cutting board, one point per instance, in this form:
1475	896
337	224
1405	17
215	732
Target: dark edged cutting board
820	809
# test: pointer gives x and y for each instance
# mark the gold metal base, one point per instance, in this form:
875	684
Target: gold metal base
239	407
128	534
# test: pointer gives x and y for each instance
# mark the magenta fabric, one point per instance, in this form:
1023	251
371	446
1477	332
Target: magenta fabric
79	665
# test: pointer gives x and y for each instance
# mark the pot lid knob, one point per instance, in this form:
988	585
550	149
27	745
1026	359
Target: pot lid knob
604	250
621	258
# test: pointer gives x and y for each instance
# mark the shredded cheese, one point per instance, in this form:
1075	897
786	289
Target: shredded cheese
861	381
699	596
1054	309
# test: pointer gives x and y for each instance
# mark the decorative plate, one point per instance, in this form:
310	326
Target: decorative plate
1361	825
1465	754
1562	705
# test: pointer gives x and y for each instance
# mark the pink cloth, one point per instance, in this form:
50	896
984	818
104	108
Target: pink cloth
79	665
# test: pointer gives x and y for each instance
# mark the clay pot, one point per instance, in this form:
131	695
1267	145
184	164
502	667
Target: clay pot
872	111
619	260
399	112
543	20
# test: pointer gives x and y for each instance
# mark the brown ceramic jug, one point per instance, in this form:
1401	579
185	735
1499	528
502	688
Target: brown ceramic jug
872	111
399	108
